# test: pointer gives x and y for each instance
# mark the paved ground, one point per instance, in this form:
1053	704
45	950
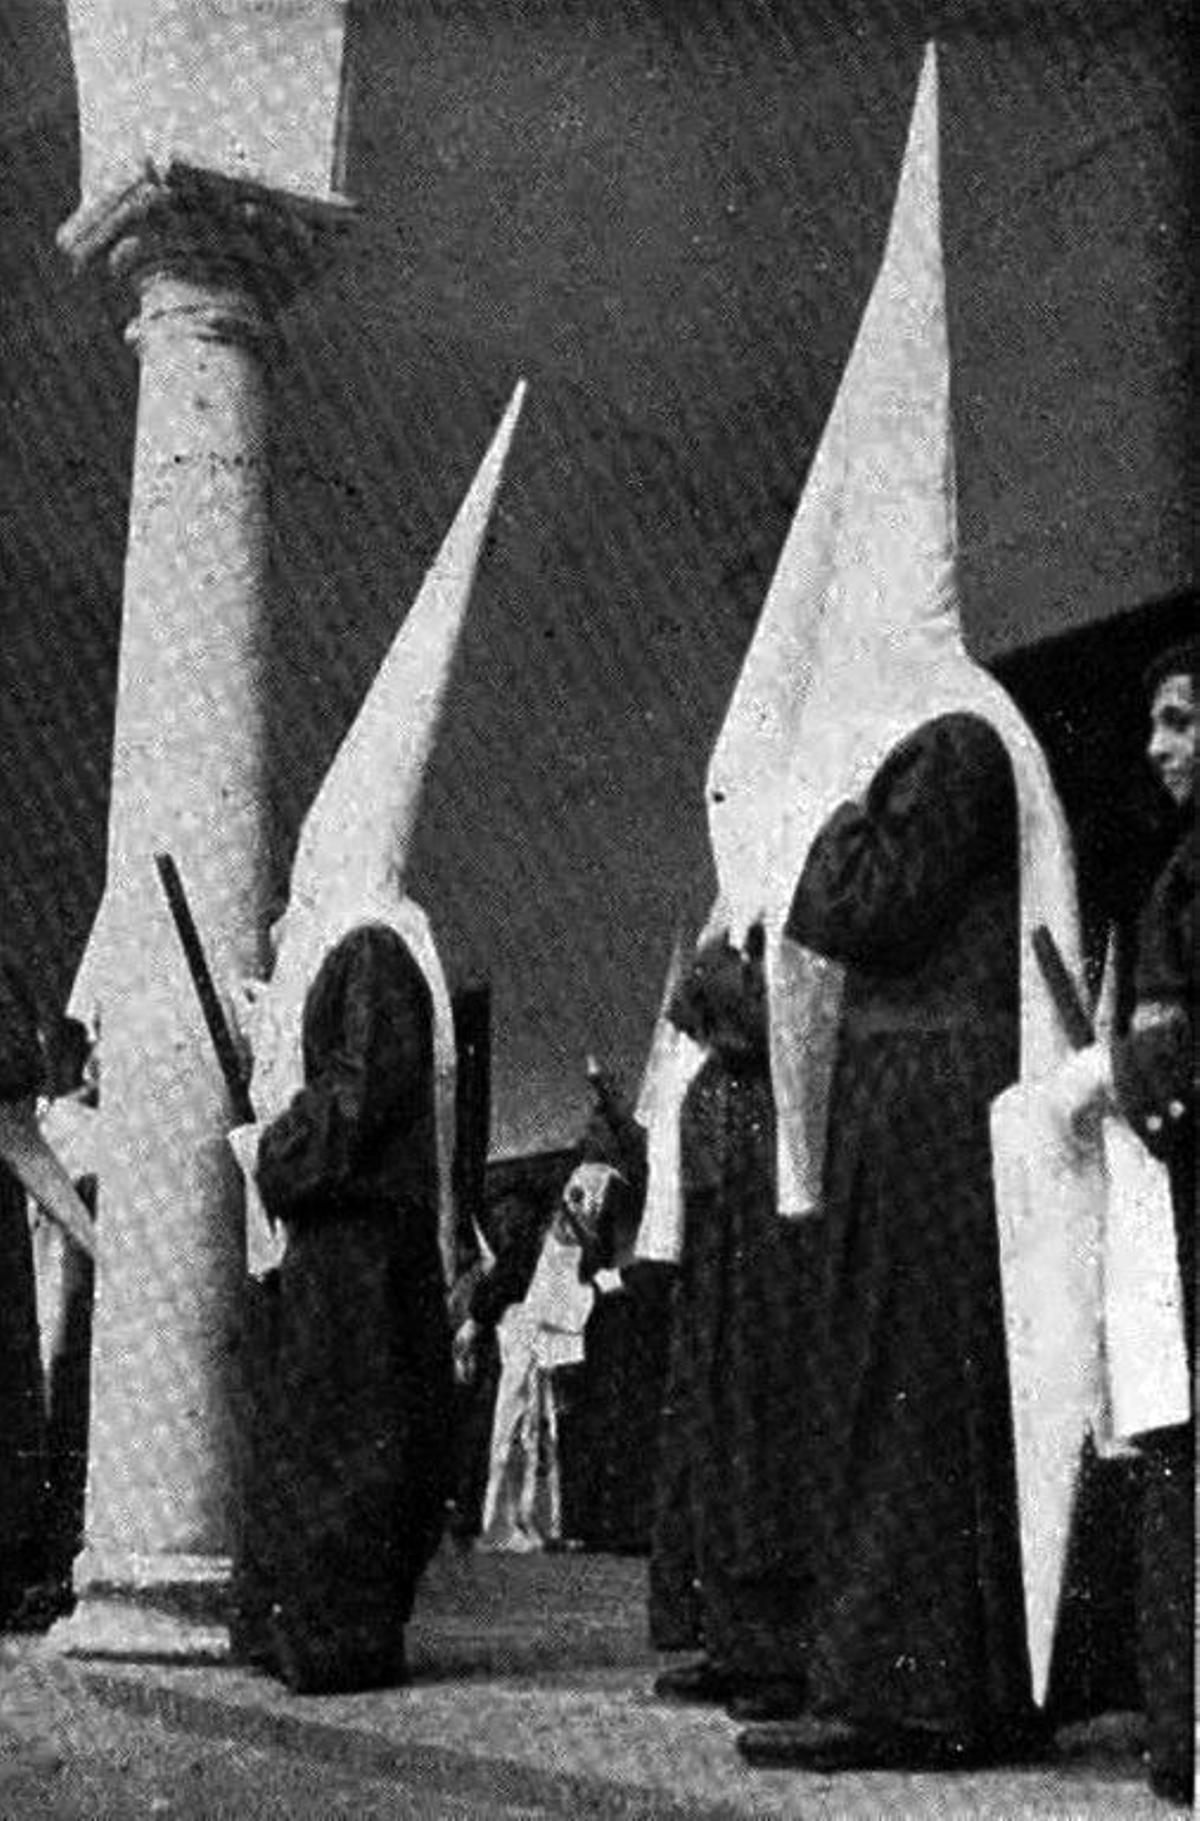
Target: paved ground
531	1699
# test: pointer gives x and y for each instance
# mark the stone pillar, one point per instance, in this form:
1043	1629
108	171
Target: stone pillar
210	262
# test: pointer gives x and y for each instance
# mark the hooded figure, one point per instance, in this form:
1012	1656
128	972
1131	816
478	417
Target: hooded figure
348	1417
887	837
1154	1084
611	1437
44	1321
22	1416
1139	1083
915	846
538	1338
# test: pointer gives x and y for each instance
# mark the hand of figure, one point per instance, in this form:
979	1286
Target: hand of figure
243	1142
1079	1094
246	1004
715	932
466	1351
607	1087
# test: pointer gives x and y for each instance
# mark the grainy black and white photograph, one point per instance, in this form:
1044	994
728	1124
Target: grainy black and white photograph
598	870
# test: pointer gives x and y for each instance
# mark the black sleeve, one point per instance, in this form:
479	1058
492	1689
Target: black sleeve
1155	1060
1154	1076
885	877
597	1249
1154	1064
720	1001
368	1075
1166	945
517	1228
650	1284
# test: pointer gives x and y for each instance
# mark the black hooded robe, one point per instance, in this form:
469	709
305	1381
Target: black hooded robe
353	1440
729	1560
918	1612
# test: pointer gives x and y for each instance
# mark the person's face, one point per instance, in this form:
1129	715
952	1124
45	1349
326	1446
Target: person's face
583	1202
1172	747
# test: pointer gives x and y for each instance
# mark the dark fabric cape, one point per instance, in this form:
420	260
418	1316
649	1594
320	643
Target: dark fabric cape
610	1437
1154	1068
23	1448
917	1612
68	1405
729	1560
350	1393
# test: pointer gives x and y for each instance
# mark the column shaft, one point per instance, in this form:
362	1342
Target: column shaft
211	262
187	779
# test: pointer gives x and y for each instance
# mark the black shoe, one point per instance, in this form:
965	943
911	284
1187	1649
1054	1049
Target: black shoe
322	1666
835	1745
765	1701
38	1607
251	1642
702	1683
1174	1783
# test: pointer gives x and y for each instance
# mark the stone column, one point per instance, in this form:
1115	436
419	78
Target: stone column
210	262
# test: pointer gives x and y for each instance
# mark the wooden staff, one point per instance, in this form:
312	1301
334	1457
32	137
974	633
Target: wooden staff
36	1167
472	1007
210	1003
1062	990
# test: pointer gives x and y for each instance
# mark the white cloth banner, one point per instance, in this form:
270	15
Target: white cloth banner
264	1237
72	1131
34	1164
1049	1209
1144	1347
677	1060
1092	1316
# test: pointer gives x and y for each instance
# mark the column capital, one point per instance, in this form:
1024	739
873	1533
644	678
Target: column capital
233	236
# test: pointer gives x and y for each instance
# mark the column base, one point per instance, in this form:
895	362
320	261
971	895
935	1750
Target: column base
170	1608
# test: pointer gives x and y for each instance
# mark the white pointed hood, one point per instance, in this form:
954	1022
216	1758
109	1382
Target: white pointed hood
863	597
353	849
672	1064
359	830
859	644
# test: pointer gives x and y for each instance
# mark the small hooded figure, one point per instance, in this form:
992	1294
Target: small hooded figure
347	1420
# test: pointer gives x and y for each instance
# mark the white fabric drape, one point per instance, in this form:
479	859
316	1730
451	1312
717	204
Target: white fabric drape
671	1067
522	1507
1093	1317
